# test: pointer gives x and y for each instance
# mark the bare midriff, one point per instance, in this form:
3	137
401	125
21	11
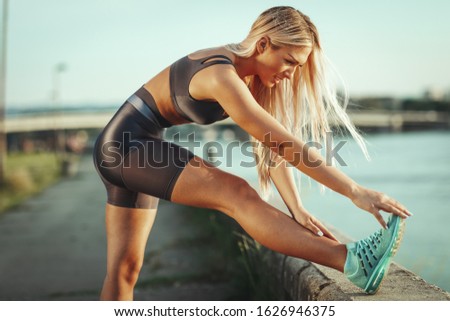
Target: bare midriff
159	88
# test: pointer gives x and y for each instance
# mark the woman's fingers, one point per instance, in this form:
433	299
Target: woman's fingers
373	201
390	205
315	229
315	226
325	231
392	209
379	218
401	208
319	229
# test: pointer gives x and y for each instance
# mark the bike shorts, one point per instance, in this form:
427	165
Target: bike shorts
136	164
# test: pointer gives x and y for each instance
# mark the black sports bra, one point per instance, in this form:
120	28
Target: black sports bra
181	73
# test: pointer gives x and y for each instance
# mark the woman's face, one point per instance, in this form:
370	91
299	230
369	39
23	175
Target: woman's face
276	64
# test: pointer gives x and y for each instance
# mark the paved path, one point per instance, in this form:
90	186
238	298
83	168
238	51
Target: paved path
53	247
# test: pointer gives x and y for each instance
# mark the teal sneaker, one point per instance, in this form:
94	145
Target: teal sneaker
368	260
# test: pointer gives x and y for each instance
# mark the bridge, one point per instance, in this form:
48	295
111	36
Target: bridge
96	120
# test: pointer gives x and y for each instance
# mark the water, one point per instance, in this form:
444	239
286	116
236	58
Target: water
413	168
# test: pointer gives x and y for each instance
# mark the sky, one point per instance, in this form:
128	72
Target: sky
111	47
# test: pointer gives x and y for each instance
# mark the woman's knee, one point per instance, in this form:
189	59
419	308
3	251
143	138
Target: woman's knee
244	196
128	269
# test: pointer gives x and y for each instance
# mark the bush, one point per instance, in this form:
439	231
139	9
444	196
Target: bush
27	174
20	181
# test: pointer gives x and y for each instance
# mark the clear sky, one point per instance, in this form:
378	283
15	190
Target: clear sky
111	47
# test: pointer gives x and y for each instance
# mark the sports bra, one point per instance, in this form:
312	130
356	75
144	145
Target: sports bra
181	73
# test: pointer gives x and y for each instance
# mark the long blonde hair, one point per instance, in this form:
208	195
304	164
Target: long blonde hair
306	105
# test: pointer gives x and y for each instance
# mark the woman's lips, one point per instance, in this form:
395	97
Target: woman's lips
276	79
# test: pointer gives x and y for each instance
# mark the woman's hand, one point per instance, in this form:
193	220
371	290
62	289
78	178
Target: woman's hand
373	201
304	218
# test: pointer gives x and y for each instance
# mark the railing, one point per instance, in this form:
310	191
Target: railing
382	120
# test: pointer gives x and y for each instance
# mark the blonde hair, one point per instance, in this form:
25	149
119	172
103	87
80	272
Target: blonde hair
306	105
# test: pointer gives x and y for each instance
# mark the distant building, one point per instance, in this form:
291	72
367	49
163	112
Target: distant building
375	104
447	95
434	94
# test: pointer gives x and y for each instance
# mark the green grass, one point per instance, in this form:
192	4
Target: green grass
27	174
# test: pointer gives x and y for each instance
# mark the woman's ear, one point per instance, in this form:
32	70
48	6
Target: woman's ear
262	44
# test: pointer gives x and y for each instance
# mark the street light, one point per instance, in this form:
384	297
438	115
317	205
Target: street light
58	69
60	143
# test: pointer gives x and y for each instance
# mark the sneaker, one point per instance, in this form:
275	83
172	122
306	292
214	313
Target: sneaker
368	260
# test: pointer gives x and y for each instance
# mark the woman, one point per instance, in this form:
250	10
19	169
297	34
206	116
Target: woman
273	86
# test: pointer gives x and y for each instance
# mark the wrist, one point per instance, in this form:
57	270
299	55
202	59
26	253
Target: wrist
297	209
353	191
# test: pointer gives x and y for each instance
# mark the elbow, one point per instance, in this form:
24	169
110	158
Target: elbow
285	151
275	145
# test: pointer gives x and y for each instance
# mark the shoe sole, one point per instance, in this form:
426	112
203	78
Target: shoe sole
382	268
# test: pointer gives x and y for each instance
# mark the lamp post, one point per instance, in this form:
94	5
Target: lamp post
60	136
3	147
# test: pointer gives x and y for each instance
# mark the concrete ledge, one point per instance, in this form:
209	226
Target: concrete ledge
297	279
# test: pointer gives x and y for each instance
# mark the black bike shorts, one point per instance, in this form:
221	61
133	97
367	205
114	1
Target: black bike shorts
136	164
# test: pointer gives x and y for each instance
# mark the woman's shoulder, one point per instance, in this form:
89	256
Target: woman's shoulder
211	52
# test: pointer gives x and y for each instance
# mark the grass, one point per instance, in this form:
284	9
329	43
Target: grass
27	174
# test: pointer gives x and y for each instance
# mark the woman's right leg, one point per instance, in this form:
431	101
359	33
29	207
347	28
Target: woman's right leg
202	185
127	231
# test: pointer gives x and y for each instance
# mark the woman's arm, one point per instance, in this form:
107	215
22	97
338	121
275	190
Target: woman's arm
283	178
233	95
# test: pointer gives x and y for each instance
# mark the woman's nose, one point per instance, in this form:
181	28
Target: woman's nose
288	73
